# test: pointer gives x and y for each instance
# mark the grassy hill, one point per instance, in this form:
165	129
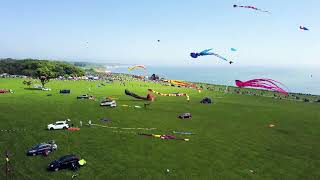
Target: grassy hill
232	139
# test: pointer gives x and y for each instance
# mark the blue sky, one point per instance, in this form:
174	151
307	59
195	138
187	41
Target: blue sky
127	31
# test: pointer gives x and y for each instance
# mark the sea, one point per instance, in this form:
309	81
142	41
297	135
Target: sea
296	79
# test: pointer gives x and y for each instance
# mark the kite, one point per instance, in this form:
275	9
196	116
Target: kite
304	28
268	84
165	137
158	40
175	94
3	91
233	49
149	97
251	7
185	133
182	83
206	53
137	66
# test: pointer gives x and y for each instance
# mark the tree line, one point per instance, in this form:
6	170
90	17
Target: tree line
41	69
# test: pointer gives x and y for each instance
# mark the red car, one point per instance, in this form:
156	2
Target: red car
2	91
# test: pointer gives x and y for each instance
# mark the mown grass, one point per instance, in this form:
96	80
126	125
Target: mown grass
231	138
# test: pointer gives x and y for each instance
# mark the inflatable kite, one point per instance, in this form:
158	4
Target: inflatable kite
304	28
165	137
250	7
137	66
185	133
182	83
149	97
175	94
206	53
3	91
268	84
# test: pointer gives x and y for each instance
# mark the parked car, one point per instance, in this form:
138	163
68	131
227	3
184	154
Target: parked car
83	96
36	86
185	116
108	102
59	125
46	89
65	162
65	91
206	100
44	148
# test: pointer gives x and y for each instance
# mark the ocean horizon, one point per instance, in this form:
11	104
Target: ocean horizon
297	79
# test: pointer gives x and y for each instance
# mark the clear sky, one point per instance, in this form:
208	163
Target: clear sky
126	31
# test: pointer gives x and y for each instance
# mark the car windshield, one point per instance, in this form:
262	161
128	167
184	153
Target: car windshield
107	100
64	158
38	146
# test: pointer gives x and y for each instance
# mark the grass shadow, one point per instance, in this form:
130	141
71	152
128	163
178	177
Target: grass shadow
32	89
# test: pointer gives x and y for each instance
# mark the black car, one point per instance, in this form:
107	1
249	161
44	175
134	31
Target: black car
44	148
65	91
65	162
206	100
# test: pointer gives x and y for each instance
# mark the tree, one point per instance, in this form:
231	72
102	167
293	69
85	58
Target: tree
45	74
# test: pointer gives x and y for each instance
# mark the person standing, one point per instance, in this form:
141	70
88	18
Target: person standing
80	123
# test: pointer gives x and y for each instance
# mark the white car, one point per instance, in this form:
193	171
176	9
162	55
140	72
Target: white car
59	125
107	102
46	89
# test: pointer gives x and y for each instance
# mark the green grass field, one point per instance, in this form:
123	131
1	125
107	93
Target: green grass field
231	138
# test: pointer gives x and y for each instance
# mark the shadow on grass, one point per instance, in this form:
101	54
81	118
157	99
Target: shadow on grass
32	89
283	131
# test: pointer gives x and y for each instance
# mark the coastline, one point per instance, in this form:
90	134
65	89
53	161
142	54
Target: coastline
298	80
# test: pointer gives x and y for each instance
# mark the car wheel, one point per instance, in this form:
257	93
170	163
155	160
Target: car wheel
46	153
65	127
51	128
56	169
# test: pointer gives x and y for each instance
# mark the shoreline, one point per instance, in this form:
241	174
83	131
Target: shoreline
298	80
250	91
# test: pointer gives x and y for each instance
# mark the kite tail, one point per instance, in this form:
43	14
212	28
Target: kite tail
163	94
263	83
127	92
220	57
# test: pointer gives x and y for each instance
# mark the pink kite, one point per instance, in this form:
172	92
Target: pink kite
264	84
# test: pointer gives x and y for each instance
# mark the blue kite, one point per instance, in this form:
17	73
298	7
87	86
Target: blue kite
206	53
